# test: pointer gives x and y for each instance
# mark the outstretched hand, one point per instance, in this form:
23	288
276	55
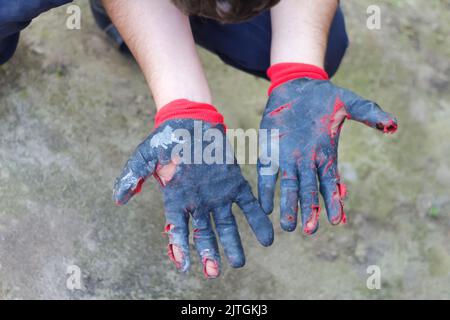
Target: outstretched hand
309	115
194	190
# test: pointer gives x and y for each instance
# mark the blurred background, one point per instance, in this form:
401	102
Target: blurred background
72	109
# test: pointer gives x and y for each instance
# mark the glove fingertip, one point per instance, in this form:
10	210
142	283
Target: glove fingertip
211	268
389	126
266	206
119	200
265	200
266	236
260	224
237	261
287	225
266	241
182	265
119	203
121	196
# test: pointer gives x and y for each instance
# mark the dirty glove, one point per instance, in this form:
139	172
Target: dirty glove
187	154
309	111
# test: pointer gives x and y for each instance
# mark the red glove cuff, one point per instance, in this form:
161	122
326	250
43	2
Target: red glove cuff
283	72
186	109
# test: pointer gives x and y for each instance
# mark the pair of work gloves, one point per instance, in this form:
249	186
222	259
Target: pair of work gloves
307	111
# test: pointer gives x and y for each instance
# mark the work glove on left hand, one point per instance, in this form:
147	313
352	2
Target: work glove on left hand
309	111
195	188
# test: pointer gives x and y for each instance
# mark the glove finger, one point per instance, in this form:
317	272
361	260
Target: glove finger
267	168
266	189
206	243
289	198
368	112
259	222
178	231
332	190
227	230
137	169
309	197
267	178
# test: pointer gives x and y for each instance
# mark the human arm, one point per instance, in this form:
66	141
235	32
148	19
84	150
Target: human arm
160	38
309	111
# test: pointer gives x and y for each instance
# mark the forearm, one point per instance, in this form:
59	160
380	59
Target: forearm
300	30
160	38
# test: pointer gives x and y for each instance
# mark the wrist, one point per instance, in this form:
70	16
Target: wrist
187	109
281	73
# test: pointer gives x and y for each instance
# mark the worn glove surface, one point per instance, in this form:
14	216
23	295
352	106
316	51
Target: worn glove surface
308	110
194	190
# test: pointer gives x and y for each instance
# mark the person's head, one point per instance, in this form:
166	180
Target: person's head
227	11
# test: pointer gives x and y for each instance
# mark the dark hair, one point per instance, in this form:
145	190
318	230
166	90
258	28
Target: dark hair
228	11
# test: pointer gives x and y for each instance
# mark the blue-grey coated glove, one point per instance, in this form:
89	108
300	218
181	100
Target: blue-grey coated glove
195	190
309	111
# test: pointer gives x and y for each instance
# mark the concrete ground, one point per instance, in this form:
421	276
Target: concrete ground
72	109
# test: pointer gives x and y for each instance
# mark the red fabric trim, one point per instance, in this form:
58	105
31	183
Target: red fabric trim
186	109
283	72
